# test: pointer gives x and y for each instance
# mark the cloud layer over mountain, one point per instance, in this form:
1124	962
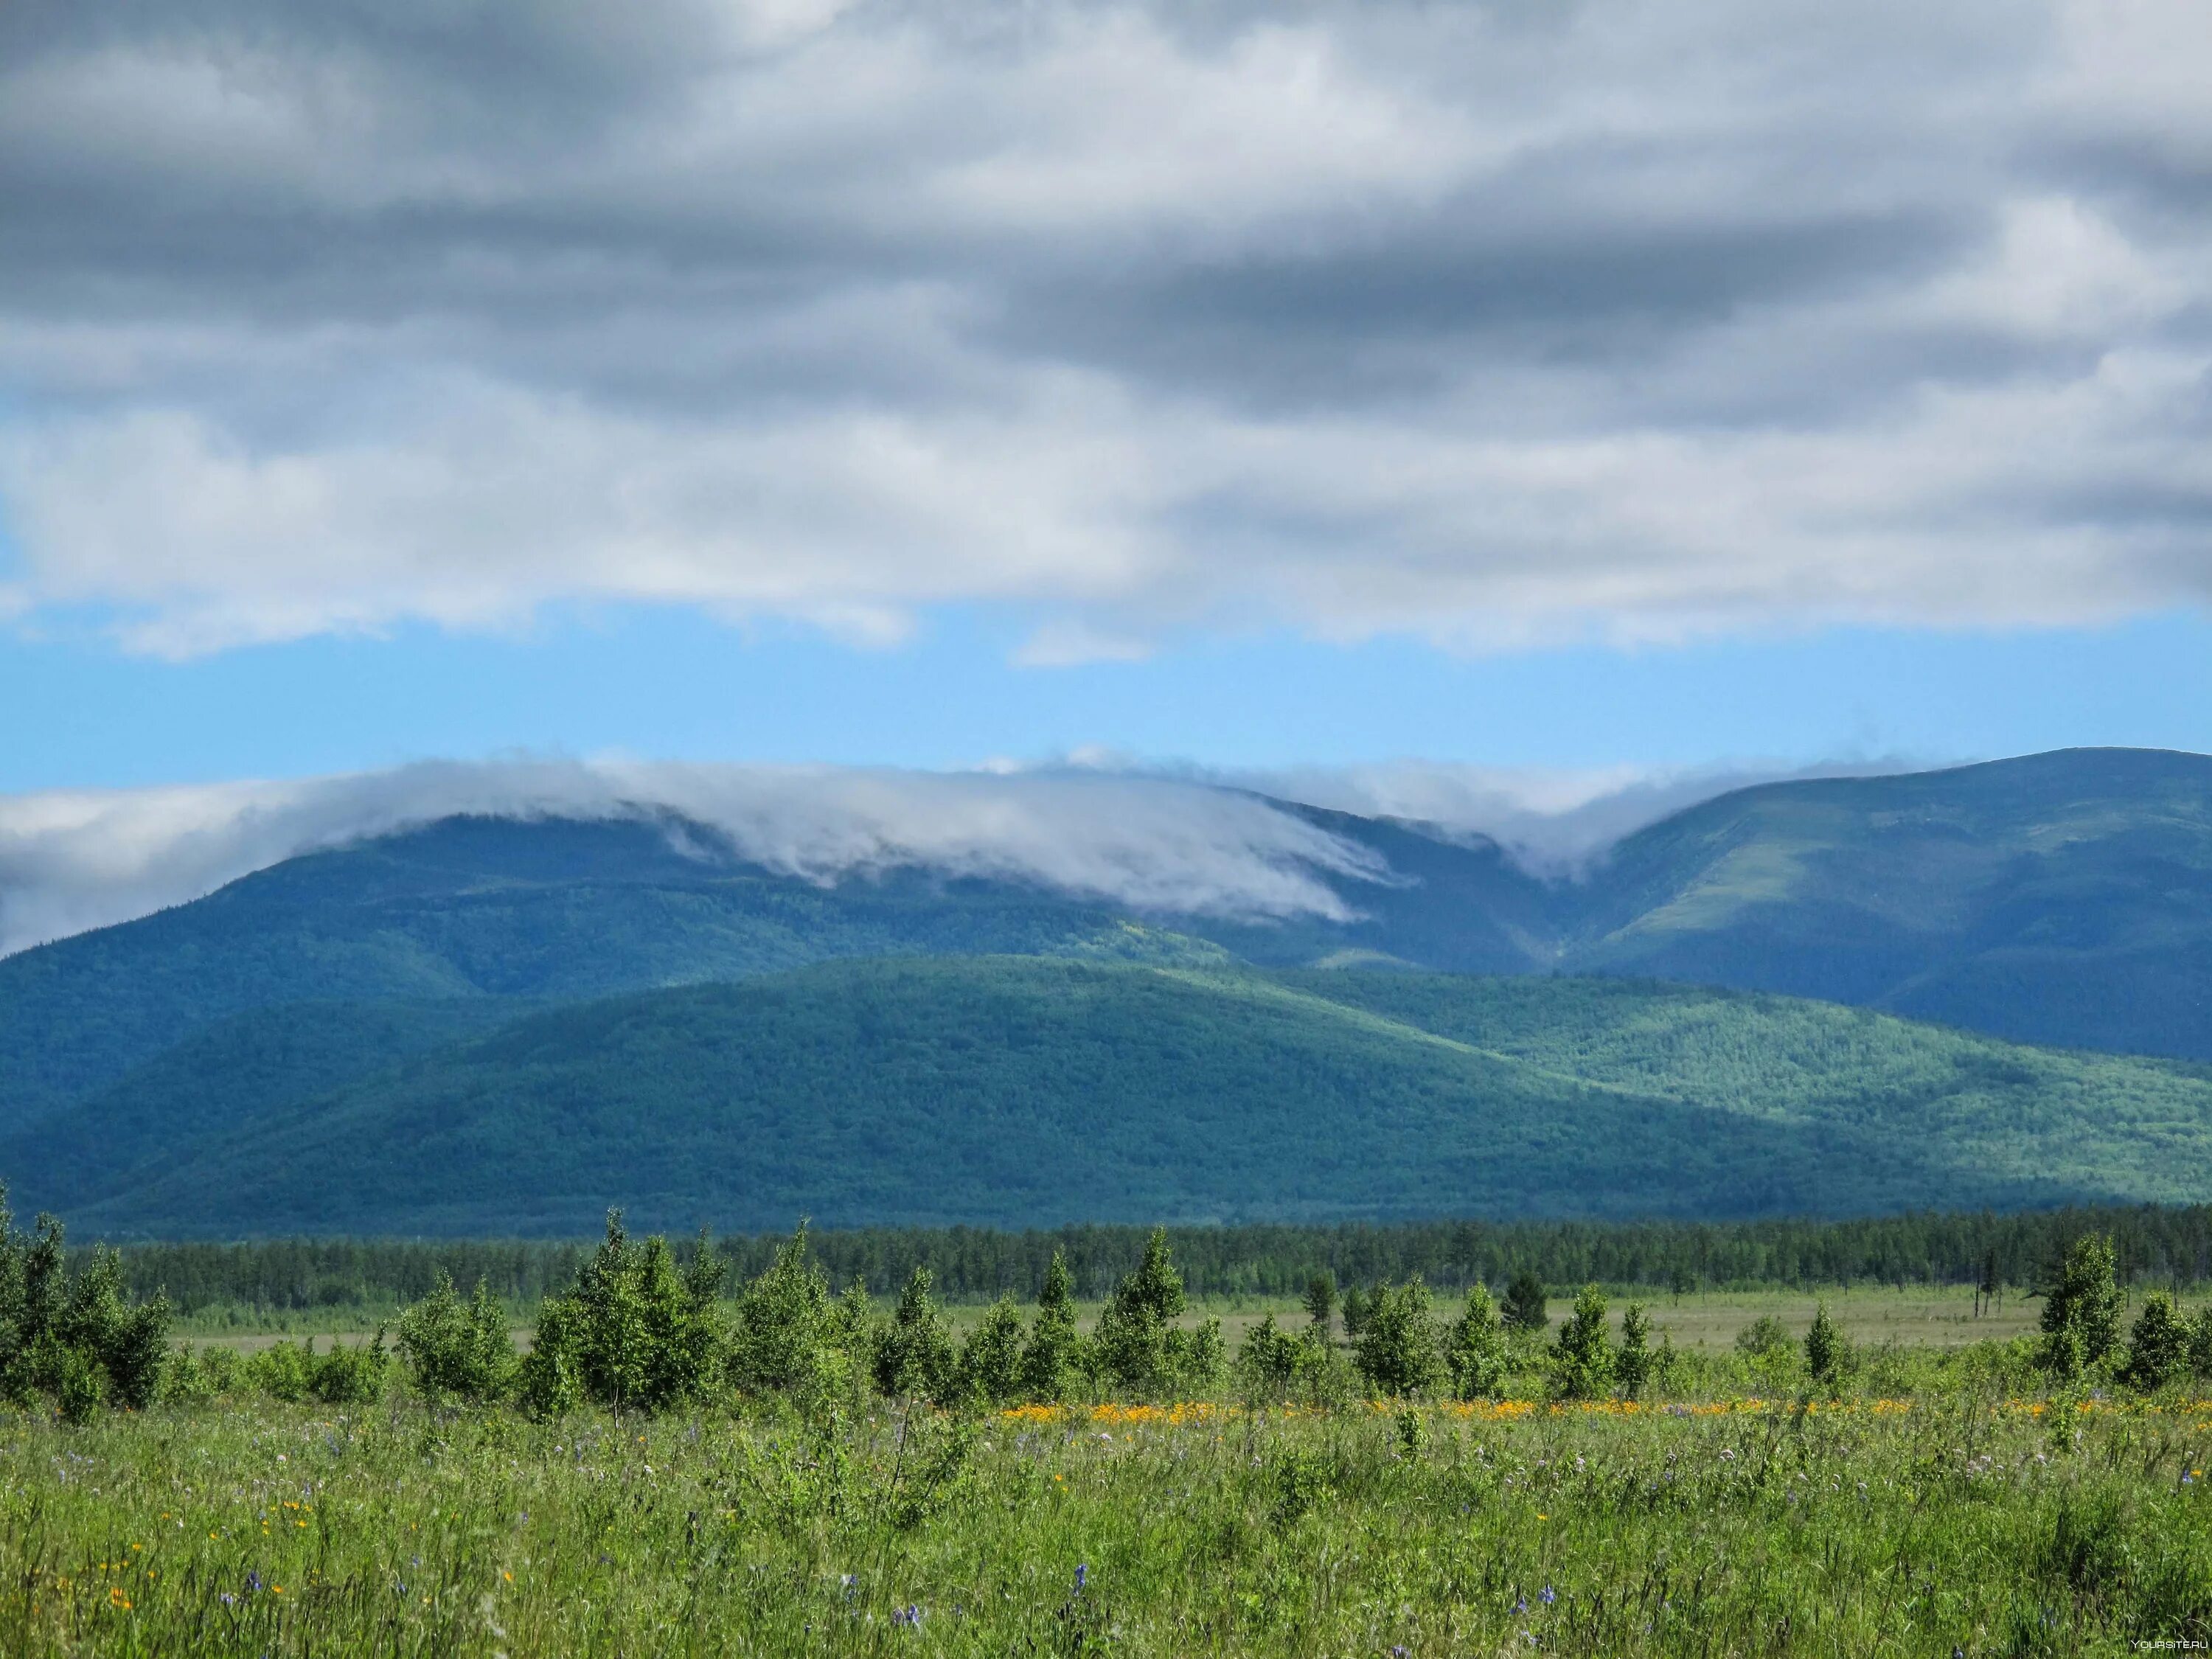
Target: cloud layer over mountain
1487	323
73	861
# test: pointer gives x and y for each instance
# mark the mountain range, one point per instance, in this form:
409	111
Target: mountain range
492	1024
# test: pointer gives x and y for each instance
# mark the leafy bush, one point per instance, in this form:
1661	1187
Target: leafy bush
80	1341
787	1325
1401	1351
1135	1328
348	1375
279	1370
1637	1364
1766	1337
1266	1360
1320	1301
991	1359
456	1350
1475	1353
1049	1360
2158	1347
633	1333
2082	1304
1581	1359
913	1355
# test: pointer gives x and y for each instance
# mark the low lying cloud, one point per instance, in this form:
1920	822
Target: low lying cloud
1152	843
71	862
1489	324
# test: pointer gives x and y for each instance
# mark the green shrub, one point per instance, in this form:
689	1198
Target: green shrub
348	1375
2081	1320
280	1370
1827	1355
2158	1346
1320	1301
913	1355
1400	1352
1197	1357
1050	1359
1133	1333
633	1333
1526	1309
456	1350
80	1340
1581	1359
1475	1352
786	1324
990	1367
1637	1364
1266	1360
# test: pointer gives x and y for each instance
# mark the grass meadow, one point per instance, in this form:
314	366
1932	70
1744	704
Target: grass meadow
1954	1521
1941	1504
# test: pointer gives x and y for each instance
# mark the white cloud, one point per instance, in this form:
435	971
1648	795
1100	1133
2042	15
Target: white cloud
1096	827
1485	325
73	861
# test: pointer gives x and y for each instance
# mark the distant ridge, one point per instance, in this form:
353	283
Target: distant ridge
1022	1091
2061	900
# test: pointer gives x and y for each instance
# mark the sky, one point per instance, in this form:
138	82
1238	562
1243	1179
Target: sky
1602	389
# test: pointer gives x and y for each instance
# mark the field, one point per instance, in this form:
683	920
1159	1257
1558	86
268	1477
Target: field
1921	1316
643	1462
1951	1521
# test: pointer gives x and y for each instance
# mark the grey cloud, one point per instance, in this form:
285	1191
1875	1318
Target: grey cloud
1490	324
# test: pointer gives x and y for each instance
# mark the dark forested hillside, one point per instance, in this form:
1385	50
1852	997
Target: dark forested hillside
1023	1092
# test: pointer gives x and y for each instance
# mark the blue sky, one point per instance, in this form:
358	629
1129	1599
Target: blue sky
671	684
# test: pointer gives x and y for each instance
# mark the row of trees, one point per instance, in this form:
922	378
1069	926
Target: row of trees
640	1330
2151	1244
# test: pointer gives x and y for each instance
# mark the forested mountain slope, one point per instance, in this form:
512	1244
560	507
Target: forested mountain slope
1016	1093
2064	899
547	910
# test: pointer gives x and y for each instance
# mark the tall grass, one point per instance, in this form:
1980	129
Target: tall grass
1957	1520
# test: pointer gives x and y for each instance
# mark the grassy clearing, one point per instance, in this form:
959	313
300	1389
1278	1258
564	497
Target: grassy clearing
1955	1519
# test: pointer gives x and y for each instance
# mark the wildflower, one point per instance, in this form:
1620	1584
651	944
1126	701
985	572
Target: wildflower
909	1616
254	1580
1521	1606
227	1598
1547	1595
1082	1572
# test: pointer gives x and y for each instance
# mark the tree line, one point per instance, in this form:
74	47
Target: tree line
2152	1244
638	1328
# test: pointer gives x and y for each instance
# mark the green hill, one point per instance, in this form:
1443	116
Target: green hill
546	911
1016	1093
2063	898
